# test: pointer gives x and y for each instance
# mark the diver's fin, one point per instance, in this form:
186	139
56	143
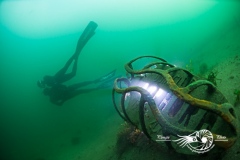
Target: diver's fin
88	32
106	77
105	85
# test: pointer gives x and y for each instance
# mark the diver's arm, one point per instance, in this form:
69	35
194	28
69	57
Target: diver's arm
80	85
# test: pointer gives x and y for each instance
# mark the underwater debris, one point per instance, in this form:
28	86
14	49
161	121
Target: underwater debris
134	135
123	143
127	137
131	140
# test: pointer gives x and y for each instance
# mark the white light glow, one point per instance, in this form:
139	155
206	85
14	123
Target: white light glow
152	89
159	93
145	86
127	95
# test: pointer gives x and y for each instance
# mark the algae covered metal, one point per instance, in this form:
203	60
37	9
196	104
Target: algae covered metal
170	102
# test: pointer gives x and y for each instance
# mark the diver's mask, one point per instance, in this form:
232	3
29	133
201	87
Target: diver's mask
161	99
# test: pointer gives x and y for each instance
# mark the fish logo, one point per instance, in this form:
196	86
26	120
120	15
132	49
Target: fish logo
203	139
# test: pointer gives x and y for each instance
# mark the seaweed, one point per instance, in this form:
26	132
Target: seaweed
127	137
212	77
189	66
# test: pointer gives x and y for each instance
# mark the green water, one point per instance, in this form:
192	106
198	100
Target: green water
32	128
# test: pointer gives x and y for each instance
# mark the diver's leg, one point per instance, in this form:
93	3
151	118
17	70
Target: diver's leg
88	32
85	36
104	80
75	93
60	76
79	85
107	77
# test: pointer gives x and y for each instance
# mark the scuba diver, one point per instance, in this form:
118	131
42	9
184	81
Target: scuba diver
53	86
59	93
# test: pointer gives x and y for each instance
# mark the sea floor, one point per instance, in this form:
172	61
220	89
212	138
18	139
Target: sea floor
228	80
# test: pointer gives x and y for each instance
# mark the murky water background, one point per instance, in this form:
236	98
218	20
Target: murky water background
33	128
